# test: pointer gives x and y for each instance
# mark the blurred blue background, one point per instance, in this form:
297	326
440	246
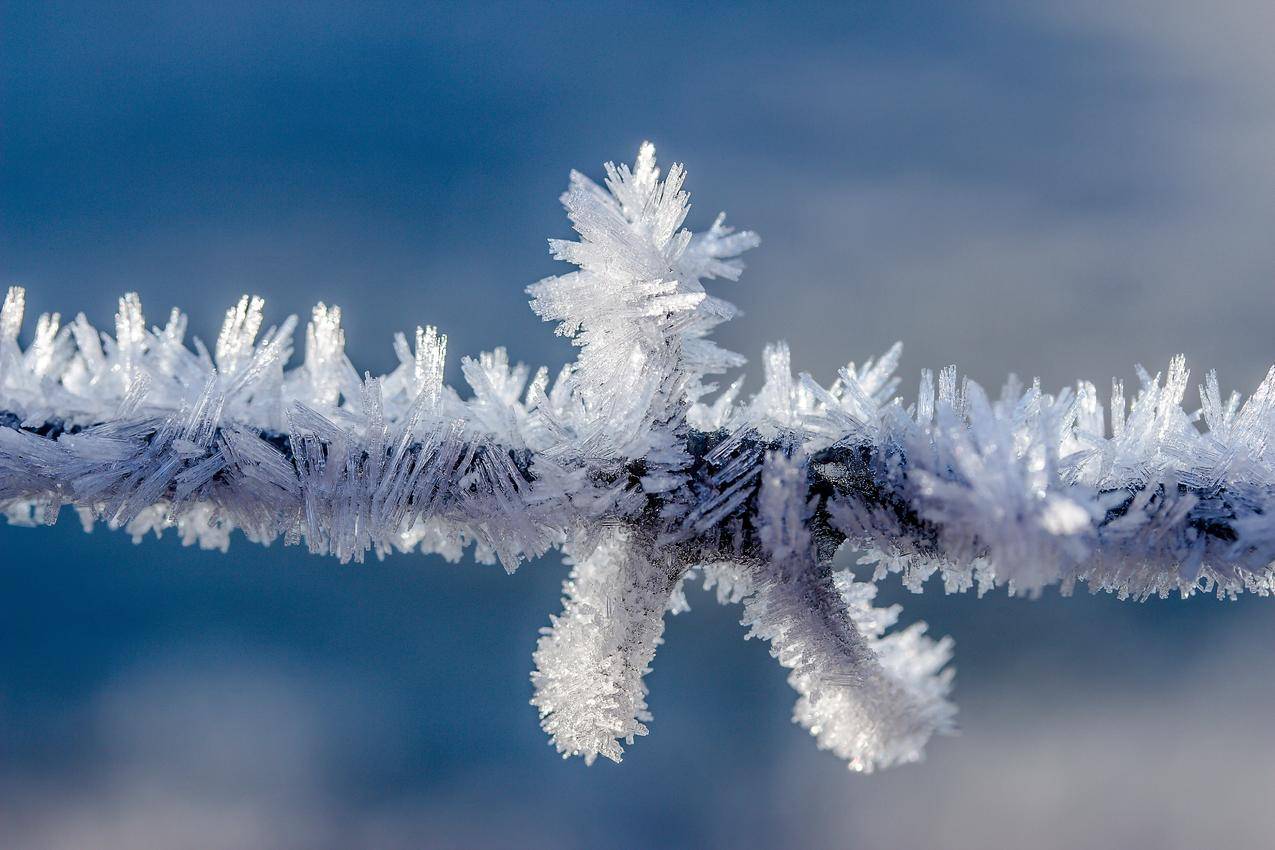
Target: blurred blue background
1061	191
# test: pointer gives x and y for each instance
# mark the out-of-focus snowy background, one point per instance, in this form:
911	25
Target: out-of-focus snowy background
1058	189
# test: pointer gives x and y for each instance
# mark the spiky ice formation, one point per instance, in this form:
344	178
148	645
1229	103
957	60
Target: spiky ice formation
871	698
622	464
591	660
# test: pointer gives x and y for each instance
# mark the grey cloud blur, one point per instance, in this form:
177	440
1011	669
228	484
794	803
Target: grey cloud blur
1119	213
1177	764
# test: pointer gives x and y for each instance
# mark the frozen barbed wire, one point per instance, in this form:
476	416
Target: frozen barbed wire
628	465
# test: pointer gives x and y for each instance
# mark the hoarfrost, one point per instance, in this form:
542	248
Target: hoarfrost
629	465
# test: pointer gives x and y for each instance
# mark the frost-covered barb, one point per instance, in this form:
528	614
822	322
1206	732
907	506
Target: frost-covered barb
634	466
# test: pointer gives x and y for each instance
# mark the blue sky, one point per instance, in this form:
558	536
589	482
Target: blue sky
1057	190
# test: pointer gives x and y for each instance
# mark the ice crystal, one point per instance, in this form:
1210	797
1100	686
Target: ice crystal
591	660
628	465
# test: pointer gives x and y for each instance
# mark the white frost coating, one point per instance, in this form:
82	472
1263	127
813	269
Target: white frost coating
637	307
626	464
873	699
591	660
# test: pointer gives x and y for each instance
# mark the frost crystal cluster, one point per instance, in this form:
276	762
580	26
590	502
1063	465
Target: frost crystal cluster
645	476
